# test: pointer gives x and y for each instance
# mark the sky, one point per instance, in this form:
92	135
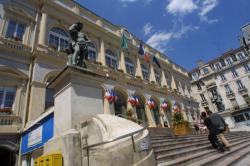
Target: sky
184	30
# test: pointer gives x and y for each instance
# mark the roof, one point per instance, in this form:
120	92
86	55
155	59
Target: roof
222	56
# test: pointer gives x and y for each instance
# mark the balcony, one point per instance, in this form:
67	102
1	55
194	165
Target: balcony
242	90
12	44
230	94
10	124
204	103
238	108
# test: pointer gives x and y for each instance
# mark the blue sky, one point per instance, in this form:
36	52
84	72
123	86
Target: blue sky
185	30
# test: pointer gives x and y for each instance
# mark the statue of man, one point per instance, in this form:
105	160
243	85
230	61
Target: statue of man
78	46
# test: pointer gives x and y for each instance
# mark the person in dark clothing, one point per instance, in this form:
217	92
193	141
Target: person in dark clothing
212	136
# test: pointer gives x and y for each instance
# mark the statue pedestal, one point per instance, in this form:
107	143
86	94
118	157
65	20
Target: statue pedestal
78	97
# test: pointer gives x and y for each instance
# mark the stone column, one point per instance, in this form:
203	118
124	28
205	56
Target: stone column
122	65
152	74
37	103
101	52
151	121
138	72
163	79
173	83
43	29
106	106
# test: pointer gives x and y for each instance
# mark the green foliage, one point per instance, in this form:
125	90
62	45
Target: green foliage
177	117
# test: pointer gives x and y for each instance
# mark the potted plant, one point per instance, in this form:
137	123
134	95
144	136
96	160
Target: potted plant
180	126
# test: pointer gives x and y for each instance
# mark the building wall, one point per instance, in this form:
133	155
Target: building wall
36	62
213	79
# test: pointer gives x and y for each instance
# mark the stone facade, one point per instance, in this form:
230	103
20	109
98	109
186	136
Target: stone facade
32	53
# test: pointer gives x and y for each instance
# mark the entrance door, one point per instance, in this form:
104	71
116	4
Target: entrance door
7	157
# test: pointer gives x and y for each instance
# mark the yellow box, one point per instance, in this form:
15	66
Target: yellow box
53	159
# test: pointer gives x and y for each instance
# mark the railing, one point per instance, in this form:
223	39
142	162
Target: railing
11	43
121	137
10	124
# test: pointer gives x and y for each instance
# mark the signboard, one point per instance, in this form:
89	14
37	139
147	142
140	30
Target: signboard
35	137
38	134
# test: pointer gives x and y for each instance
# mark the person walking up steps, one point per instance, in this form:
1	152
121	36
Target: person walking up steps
221	125
212	137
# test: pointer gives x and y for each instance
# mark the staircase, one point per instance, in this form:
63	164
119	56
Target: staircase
195	150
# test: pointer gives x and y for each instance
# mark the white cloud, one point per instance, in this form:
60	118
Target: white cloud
159	40
206	7
181	7
147	29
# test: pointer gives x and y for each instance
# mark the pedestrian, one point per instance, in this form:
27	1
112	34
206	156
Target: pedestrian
221	126
212	137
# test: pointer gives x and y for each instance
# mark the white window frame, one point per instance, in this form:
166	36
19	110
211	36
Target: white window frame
93	49
241	56
113	59
229	62
145	72
157	77
130	67
59	36
17	24
5	90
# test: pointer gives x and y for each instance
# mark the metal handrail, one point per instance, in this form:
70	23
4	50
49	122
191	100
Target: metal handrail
120	137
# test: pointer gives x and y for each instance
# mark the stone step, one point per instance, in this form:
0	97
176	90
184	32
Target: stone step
243	161
194	157
183	143
237	159
215	159
192	150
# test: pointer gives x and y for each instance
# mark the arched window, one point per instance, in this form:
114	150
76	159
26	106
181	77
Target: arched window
145	72
111	60
157	77
92	53
58	39
130	67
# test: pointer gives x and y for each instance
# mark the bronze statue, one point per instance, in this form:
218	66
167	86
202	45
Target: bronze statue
78	48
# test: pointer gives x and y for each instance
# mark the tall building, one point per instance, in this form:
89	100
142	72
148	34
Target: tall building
223	84
33	38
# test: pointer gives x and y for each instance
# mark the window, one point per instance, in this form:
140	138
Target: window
229	62
203	98
144	72
15	30
247	98
58	39
198	86
246	67
235	74
49	98
92	53
223	78
228	89
240	85
218	67
130	67
205	70
239	118
195	76
241	56
234	58
247	116
7	96
222	62
110	59
234	103
157	77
